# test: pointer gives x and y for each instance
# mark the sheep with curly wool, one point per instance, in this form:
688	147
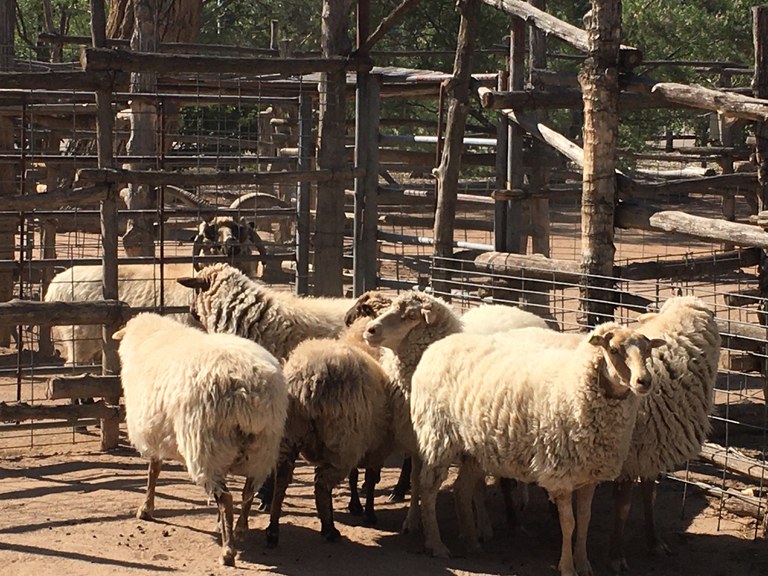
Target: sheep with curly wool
338	418
506	405
227	301
215	402
673	422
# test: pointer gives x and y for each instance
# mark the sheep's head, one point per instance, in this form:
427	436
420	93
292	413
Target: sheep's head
402	316
368	305
205	283
625	353
223	236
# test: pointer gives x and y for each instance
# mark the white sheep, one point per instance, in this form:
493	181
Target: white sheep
506	405
215	402
138	286
404	331
226	300
673	422
493	318
338	418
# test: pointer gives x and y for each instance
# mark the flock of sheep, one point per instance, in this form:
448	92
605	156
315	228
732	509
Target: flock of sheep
346	383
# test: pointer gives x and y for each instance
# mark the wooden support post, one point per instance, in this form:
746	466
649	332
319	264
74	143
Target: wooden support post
513	242
502	147
447	172
138	239
725	127
760	90
599	79
105	121
331	155
367	106
8	171
303	196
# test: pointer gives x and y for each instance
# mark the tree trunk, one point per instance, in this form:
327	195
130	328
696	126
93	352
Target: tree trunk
178	20
599	80
331	154
447	173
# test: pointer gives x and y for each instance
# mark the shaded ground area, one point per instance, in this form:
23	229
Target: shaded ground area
73	513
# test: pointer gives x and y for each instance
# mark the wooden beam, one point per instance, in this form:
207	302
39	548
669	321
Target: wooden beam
709	229
55	199
534	266
630	57
690	268
554	98
84	386
161	178
62	313
119	60
734	461
22	411
726	103
54	80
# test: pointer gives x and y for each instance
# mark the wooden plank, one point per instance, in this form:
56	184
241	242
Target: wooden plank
630	57
120	60
84	386
56	199
732	460
62	313
21	411
690	268
728	103
53	79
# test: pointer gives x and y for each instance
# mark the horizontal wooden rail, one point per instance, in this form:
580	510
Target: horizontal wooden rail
62	313
84	386
18	412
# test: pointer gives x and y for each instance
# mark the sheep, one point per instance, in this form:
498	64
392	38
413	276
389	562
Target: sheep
215	402
506	405
223	236
672	423
337	415
413	321
492	318
138	286
226	300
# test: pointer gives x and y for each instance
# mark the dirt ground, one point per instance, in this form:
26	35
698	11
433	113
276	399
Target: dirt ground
72	512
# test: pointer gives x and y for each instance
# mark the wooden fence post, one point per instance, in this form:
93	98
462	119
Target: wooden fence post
599	80
447	173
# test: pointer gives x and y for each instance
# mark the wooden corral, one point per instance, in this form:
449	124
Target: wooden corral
332	202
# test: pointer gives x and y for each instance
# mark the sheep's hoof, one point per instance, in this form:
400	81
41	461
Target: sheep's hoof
228	557
264	506
438	551
273	536
331	534
145	513
584	568
660	548
398	494
619	565
355	508
371	519
241	529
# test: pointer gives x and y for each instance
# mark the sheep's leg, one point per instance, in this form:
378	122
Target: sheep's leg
430	479
326	477
413	519
265	494
513	505
564	501
280	479
622	502
403	482
249	490
465	492
583	516
226	519
482	520
147	509
372	477
648	491
355	507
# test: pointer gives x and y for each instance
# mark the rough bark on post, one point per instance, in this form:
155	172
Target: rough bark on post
447	173
599	80
139	238
8	170
760	90
331	153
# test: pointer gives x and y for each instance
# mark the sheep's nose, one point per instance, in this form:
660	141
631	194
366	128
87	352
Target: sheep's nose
371	330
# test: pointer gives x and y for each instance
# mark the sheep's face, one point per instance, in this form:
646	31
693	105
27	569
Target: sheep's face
389	329
625	354
225	237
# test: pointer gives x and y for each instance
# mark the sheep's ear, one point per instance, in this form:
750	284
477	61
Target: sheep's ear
119	334
195	282
647	316
600	340
430	316
657	342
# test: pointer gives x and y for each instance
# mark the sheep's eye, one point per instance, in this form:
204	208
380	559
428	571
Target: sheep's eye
614	350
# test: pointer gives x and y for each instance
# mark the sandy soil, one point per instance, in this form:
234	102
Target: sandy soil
73	513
